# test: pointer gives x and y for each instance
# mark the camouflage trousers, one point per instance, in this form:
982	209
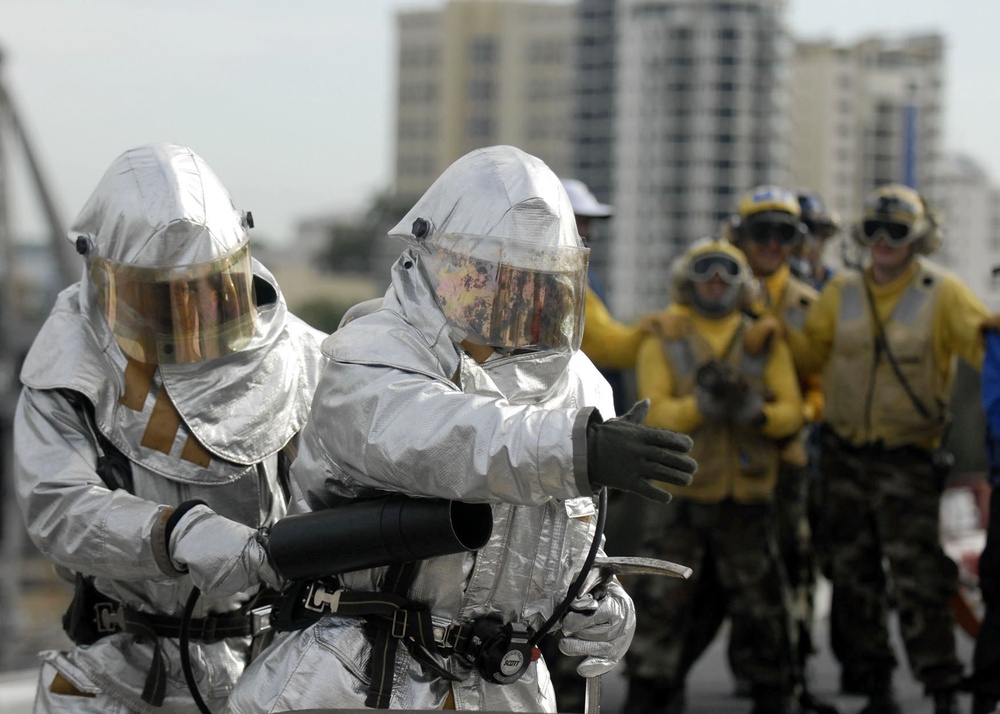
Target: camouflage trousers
737	572
795	545
881	522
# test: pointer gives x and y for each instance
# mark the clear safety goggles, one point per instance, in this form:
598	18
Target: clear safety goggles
510	294
178	315
704	267
895	233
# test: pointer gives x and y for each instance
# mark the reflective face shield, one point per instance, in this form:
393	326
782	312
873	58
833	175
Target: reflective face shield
509	294
178	315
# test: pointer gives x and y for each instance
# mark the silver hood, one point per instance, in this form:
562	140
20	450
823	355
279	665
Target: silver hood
160	204
496	191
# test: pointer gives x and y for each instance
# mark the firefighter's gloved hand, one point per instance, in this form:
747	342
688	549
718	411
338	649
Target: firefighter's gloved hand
624	454
222	556
601	630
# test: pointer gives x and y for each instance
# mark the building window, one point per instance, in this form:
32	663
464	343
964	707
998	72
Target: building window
480	90
482	50
479	127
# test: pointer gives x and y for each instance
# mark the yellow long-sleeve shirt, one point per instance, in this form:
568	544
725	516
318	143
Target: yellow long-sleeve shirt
667	411
956	329
776	285
956	318
608	343
735	461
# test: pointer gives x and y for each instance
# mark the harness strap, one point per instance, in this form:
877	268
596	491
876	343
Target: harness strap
382	663
391	618
93	615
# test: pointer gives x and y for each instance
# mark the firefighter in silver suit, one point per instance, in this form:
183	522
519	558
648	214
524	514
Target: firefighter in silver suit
468	384
159	402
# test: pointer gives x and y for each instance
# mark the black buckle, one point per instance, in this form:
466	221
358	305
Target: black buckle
207	629
321	599
110	617
399	624
453	636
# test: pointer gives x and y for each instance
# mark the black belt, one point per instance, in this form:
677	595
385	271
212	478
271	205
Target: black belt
114	617
93	615
874	449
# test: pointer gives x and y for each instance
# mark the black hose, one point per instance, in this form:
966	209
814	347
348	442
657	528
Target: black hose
574	590
186	652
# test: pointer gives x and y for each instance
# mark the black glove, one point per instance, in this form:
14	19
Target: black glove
722	393
624	454
750	411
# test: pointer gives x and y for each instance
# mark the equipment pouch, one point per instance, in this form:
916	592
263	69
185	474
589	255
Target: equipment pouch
80	619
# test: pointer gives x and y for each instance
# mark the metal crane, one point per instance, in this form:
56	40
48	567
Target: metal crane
18	327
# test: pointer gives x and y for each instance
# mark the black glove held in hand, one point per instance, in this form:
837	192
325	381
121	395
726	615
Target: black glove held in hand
625	455
723	394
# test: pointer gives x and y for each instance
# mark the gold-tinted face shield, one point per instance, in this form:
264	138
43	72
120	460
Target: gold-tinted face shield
178	315
509	294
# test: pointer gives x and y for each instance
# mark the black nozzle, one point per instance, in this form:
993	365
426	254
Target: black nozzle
371	533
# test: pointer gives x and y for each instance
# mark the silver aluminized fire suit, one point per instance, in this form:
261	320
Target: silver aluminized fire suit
241	409
401	407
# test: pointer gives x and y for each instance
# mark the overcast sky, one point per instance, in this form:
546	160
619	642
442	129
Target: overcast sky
292	102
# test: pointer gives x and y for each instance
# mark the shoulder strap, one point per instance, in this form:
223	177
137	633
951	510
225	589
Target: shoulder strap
882	346
112	466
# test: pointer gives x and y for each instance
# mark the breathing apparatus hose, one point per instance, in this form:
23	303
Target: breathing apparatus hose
185	638
574	590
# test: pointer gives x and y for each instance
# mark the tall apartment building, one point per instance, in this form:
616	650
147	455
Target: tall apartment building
479	73
866	114
701	113
593	121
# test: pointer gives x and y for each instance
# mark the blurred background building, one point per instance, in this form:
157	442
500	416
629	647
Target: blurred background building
702	101
670	109
476	74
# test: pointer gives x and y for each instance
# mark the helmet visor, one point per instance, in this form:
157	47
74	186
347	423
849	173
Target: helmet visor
510	294
178	315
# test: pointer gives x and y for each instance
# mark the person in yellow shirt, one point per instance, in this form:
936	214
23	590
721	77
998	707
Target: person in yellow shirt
767	227
886	339
709	373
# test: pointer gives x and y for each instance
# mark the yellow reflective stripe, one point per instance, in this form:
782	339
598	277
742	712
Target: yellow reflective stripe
138	382
163	424
195	453
164	421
